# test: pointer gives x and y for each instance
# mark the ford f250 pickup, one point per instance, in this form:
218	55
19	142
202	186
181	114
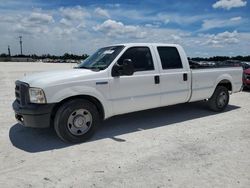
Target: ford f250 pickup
115	80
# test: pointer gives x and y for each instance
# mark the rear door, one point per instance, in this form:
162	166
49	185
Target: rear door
141	90
175	78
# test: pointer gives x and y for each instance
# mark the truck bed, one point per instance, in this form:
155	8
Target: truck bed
204	80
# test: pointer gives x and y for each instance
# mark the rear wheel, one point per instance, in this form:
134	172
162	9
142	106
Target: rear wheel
76	120
219	99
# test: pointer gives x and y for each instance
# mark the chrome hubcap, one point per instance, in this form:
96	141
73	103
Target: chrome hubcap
79	122
222	99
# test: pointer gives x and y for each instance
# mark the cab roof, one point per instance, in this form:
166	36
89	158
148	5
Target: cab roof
146	44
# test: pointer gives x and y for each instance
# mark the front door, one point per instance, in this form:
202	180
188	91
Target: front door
139	91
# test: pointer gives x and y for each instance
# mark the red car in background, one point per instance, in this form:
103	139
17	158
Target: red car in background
246	78
246	74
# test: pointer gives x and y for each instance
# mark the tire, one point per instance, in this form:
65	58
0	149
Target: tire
219	100
76	120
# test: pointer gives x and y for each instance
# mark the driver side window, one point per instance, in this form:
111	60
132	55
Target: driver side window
141	58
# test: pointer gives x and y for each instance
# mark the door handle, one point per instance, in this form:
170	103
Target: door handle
157	79
185	76
101	83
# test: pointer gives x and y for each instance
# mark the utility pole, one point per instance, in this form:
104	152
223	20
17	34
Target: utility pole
21	44
9	50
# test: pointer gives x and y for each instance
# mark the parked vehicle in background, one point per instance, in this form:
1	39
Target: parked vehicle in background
116	80
246	74
246	78
245	65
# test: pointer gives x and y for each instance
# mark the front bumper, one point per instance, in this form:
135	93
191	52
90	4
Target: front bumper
33	115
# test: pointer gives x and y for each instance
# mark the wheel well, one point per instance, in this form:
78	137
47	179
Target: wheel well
92	99
226	83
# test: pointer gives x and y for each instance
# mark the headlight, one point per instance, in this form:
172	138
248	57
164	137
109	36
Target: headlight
36	95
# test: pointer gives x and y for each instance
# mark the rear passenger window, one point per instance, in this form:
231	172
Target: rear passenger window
141	58
170	58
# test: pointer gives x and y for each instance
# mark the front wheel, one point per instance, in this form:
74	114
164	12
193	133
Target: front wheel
76	120
219	99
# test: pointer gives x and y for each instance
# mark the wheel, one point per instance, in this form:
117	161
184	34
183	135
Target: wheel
219	99
76	120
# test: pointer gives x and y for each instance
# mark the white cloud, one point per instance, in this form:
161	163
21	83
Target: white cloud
176	38
116	5
35	23
30	30
81	26
236	18
221	39
72	19
74	13
65	22
40	18
9	18
166	21
179	19
63	31
118	29
228	4
220	23
150	25
102	12
153	25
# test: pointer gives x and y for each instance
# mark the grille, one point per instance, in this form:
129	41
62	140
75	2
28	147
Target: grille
21	93
17	93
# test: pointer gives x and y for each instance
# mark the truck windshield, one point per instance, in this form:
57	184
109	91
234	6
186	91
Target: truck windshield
101	59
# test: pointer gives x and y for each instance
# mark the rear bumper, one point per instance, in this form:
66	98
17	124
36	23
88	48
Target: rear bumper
33	115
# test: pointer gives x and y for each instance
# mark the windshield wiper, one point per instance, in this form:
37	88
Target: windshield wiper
84	67
95	69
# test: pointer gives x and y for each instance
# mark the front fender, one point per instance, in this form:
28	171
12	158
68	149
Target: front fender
56	95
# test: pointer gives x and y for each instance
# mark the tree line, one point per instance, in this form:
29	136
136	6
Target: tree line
48	56
222	58
84	56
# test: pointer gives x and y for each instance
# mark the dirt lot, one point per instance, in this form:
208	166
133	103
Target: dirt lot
178	146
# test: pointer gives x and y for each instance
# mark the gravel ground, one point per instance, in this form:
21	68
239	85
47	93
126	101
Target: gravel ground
178	146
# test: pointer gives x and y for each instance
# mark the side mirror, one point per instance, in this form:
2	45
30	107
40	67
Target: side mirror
127	68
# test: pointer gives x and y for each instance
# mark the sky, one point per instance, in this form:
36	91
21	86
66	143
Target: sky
203	28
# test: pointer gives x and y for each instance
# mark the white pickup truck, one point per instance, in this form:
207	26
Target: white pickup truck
115	80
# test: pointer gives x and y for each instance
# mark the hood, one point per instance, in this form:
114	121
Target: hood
56	77
247	71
